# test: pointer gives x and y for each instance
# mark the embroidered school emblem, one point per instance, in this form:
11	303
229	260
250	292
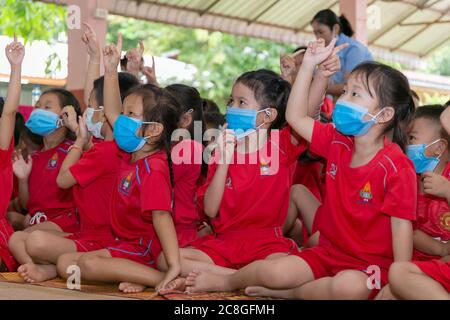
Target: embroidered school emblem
445	221
53	162
366	192
228	183
264	169
333	170
125	184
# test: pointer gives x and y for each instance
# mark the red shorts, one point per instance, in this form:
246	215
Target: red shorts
422	256
6	257
143	251
67	220
438	270
239	248
91	240
326	261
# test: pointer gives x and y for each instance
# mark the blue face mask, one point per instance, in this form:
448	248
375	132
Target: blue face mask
422	163
243	121
125	133
43	122
349	119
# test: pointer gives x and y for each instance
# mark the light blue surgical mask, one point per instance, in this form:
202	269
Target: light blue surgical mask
243	121
422	163
94	128
349	118
125	133
43	122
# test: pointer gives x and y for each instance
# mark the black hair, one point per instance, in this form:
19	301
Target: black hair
26	134
149	94
189	99
210	106
447	104
433	113
2	103
18	128
127	81
66	98
330	19
391	88
165	112
215	118
270	90
300	48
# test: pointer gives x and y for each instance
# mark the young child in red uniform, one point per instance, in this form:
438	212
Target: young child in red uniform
15	53
422	279
247	224
371	192
141	200
429	150
187	163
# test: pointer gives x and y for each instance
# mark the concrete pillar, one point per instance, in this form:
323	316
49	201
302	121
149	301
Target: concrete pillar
356	12
77	54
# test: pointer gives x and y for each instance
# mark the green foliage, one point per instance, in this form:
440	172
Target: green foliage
219	57
436	98
32	20
439	62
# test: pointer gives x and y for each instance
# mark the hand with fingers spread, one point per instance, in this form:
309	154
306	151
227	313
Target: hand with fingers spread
436	185
150	73
111	55
329	67
69	118
318	53
89	38
289	66
226	145
15	53
134	59
21	167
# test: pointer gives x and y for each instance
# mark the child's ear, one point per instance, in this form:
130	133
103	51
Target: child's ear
154	130
441	147
270	115
386	115
186	120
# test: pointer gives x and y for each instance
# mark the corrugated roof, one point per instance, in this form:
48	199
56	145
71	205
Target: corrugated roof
415	27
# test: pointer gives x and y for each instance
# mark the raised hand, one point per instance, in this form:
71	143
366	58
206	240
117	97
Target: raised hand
134	57
90	40
226	145
150	73
69	117
22	168
288	68
330	66
111	55
15	52
83	135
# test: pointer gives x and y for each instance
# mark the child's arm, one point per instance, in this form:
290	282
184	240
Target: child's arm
320	84
22	170
402	239
165	229
112	100
15	53
213	196
65	179
445	119
428	245
93	71
297	108
436	185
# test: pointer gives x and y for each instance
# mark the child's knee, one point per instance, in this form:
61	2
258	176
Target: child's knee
397	271
64	261
36	243
17	237
88	266
349	285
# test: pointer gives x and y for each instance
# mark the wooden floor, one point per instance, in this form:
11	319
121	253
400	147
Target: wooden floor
15	291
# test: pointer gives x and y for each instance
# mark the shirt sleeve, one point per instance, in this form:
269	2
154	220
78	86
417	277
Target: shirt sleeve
156	193
401	196
291	144
98	161
353	57
323	136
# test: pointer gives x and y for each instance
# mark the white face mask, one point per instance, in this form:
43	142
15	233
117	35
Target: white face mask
94	128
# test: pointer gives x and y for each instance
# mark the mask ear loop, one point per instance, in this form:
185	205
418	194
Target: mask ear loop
146	124
438	157
374	118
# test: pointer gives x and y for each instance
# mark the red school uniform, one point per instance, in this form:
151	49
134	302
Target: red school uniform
433	218
48	202
254	205
141	187
438	270
6	186
186	165
355	225
95	174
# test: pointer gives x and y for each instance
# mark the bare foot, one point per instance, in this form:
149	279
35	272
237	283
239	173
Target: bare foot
128	287
179	284
32	273
203	281
264	292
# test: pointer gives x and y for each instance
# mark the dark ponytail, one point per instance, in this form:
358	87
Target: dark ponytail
391	88
330	19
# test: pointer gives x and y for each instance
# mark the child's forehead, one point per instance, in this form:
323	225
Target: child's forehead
240	90
424	125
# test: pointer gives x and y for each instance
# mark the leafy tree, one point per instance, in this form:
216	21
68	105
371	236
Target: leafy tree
439	62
